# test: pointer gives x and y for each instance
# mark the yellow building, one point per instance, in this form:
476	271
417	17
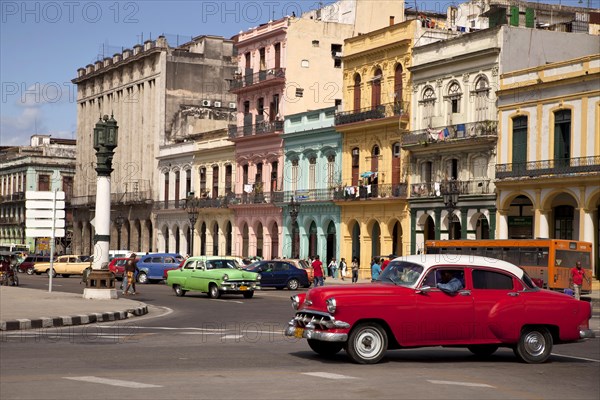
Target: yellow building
374	214
549	124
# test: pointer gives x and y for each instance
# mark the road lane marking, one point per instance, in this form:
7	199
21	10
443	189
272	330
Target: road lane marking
460	383
228	301
112	382
576	358
328	375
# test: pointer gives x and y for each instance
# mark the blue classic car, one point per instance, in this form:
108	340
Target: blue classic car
280	274
152	266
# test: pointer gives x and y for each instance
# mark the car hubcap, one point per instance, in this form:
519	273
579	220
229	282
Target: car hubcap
534	343
293	285
368	343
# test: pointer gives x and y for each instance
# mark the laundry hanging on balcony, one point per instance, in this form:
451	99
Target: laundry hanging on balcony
366	174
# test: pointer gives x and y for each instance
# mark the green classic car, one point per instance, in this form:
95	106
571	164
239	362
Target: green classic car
214	276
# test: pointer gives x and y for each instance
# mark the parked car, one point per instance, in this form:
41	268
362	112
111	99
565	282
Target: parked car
305	265
280	274
498	306
214	276
152	266
65	265
28	263
117	267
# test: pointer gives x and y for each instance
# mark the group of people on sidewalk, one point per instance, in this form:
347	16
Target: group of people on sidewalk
321	272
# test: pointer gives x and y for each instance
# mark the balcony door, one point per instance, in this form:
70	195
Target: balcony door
562	138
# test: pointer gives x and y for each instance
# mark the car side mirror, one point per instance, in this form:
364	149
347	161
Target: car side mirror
423	289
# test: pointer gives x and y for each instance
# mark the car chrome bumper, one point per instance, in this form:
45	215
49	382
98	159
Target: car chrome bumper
586	334
309	333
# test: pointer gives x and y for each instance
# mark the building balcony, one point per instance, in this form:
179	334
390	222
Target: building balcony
255	198
269	76
306	195
262	128
371	192
397	109
558	167
136	192
11	198
219	202
437	189
11	221
458	132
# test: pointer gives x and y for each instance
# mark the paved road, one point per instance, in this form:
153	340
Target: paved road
195	347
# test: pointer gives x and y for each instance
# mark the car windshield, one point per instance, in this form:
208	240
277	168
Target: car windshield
401	273
253	266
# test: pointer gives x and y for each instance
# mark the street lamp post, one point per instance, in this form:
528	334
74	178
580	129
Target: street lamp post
119	224
451	194
191	207
105	142
294	210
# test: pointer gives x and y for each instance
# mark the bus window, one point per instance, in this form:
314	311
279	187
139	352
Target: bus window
569	258
511	255
493	252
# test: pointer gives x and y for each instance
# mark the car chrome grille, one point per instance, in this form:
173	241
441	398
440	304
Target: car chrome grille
313	321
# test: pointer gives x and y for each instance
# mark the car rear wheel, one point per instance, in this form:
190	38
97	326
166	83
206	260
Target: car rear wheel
367	343
483	350
53	273
248	295
213	291
293	284
325	349
142	277
535	345
30	271
179	292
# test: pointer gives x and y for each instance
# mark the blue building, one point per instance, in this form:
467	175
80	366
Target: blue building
311	182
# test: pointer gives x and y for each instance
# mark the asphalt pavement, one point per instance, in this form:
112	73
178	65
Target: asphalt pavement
22	308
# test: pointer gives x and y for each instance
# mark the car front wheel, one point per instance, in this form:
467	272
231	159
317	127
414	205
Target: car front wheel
535	345
30	271
367	343
142	277
293	284
325	349
53	273
179	292
213	291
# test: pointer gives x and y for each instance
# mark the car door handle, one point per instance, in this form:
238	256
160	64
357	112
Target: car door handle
465	292
513	294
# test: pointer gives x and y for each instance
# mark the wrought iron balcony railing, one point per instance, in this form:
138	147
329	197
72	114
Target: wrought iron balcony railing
219	202
306	195
242	81
399	109
255	198
11	221
371	192
115	198
18	196
437	189
562	166
257	129
453	132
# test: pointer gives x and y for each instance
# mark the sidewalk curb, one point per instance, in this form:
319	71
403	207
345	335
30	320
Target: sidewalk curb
51	322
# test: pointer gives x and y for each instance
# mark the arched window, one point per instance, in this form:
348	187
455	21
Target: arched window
482	92
428	103
376	89
454	96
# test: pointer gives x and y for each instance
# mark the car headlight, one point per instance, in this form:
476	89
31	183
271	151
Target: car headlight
331	305
225	277
258	277
295	302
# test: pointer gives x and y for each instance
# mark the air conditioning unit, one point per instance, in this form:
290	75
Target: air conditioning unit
206	103
217	104
232	105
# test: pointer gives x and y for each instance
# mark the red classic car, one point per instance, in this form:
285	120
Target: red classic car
440	300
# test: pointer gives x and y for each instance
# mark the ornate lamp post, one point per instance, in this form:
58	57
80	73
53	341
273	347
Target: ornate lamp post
119	224
105	142
191	207
294	207
451	194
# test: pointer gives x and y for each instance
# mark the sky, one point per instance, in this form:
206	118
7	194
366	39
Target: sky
43	43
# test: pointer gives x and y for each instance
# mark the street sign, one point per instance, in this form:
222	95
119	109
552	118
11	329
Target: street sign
44	214
44	232
38	195
44	223
44	204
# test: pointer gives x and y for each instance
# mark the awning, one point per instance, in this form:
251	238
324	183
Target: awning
366	174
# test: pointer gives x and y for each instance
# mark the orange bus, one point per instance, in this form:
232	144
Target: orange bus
547	261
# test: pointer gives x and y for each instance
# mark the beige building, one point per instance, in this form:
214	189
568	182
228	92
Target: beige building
159	95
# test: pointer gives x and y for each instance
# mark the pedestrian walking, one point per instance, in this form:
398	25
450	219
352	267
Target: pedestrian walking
355	266
317	271
343	268
130	272
332	267
576	279
375	269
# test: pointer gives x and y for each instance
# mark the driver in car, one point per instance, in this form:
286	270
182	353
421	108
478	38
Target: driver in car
450	283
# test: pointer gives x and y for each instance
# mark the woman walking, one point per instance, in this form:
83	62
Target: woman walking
355	266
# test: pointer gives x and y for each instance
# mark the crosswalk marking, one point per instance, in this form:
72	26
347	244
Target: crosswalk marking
328	375
112	382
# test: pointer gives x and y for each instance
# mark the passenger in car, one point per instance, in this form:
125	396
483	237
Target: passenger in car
450	283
